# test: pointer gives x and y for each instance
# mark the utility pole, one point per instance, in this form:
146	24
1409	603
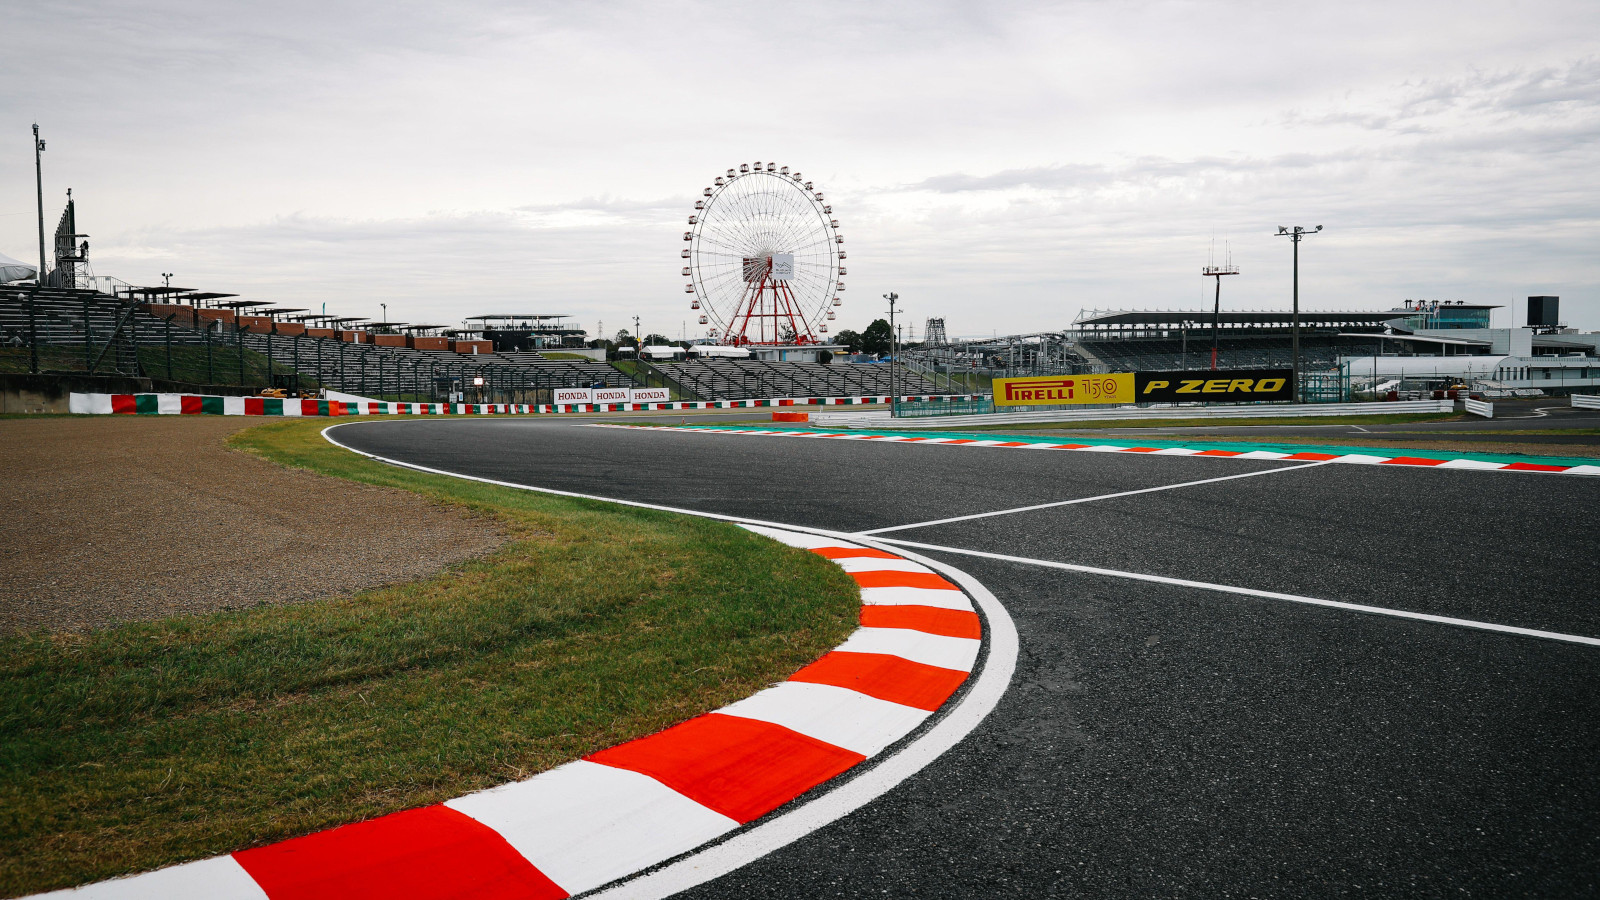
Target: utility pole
38	181
638	339
1294	237
894	356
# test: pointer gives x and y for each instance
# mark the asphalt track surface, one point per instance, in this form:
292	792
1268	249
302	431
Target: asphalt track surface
1169	741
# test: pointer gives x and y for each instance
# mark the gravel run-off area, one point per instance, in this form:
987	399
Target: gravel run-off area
115	519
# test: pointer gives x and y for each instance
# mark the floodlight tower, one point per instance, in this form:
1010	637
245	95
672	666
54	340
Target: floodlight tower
1294	235
1227	268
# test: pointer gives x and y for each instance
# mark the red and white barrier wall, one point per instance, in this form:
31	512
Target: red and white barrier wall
192	404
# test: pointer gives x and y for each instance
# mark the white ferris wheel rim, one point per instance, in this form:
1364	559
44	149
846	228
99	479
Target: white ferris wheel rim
757	213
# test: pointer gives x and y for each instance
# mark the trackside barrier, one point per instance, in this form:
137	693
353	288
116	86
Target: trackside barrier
190	404
1586	401
1253	411
1480	408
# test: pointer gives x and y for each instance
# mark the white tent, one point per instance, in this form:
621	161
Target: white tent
15	269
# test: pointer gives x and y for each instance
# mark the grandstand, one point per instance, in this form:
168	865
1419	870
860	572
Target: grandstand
1157	340
201	341
738	379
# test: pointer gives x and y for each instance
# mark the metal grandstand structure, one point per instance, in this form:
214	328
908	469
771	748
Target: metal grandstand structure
219	345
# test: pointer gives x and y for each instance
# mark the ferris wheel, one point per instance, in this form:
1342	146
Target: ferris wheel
764	258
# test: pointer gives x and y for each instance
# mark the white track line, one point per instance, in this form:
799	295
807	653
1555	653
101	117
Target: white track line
1151	490
1253	592
955	722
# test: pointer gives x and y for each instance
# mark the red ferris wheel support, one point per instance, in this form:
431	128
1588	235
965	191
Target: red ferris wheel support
769	305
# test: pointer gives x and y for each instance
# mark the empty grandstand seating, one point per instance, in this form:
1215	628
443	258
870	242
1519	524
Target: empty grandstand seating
1317	352
739	379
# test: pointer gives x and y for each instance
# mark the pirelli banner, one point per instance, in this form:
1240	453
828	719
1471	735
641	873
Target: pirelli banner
1228	385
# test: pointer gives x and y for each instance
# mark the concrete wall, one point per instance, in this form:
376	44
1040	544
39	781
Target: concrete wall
51	393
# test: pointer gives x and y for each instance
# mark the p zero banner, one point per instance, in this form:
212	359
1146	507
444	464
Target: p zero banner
564	396
1053	390
649	395
1225	385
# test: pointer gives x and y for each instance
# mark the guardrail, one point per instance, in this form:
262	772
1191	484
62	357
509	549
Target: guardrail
1253	411
1585	401
1480	408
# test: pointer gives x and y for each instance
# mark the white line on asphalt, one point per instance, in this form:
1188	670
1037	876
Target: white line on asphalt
1023	509
1252	592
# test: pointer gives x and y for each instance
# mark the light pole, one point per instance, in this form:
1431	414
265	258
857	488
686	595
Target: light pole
894	357
38	183
385	312
1294	235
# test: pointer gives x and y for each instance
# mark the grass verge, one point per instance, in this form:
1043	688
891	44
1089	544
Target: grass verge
137	746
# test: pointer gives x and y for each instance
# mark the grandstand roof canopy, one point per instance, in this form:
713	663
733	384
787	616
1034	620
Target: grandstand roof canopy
504	317
242	304
1458	342
1158	318
161	291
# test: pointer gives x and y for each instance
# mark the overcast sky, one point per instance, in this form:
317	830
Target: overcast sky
1003	165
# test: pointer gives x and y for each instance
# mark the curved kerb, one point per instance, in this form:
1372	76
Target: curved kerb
662	813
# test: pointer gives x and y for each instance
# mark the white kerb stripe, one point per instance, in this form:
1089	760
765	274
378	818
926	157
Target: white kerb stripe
930	649
169	404
833	715
1361	459
585	824
878	564
218	878
798	539
910	596
1470	464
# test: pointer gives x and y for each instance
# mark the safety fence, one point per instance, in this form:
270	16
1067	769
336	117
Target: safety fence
195	405
1586	401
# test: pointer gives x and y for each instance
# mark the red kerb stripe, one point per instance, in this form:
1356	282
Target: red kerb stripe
739	767
854	553
124	404
1412	461
886	677
1536	467
902	579
432	852
958	623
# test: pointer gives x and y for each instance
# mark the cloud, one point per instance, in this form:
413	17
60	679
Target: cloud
1001	165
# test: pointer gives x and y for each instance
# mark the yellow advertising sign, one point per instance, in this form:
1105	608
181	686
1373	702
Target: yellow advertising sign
1053	390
